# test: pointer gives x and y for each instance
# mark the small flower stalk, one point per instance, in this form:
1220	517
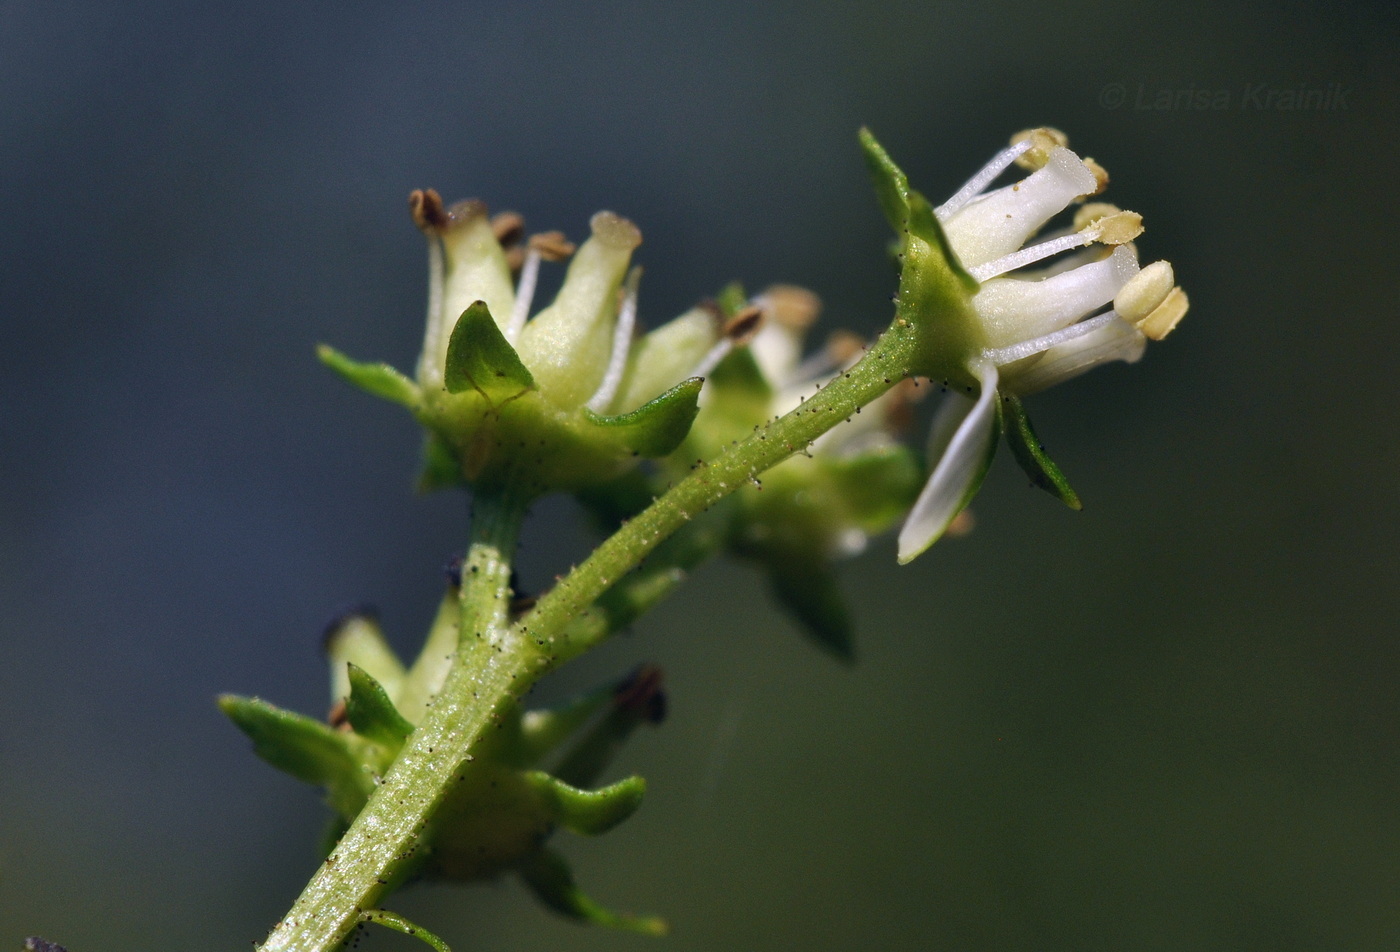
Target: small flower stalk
1002	318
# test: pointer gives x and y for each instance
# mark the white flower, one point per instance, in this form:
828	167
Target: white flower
1026	331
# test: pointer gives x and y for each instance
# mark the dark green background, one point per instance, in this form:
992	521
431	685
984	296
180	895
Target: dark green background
1169	722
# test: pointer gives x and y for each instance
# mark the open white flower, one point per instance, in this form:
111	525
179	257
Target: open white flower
1028	330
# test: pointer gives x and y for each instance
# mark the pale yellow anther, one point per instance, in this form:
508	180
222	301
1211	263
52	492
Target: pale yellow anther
1144	292
791	306
1116	229
1165	316
1043	141
1100	175
551	245
1090	212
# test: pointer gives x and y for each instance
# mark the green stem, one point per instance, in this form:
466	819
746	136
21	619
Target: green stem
493	667
561	619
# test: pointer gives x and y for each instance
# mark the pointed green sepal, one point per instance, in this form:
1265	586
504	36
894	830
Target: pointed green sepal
372	713
891	184
807	589
305	748
480	358
1031	455
908	211
378	379
739	375
589	812
732	299
551	880
658	427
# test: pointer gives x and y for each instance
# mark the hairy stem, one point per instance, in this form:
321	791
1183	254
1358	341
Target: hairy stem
560	620
492	668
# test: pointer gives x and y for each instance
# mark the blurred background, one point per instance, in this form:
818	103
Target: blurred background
1168	722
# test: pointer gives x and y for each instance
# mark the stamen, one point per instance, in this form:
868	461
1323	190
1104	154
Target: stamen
622	344
524	294
978	183
1025	256
1005	355
712	358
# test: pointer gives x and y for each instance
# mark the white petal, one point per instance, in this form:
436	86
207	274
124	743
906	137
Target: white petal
1015	310
961	441
1114	340
1000	222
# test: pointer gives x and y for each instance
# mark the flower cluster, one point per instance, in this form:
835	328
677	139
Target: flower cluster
564	398
503	808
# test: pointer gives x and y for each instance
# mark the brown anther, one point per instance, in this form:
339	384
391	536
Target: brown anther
552	245
508	227
1043	141
792	307
641	693
425	205
962	524
339	717
1100	176
463	212
740	328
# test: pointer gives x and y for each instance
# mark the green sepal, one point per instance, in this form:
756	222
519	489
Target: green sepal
378	379
732	299
440	468
908	211
544	731
878	485
589	812
1030	454
372	713
657	427
891	184
480	358
807	589
739	375
552	882
305	748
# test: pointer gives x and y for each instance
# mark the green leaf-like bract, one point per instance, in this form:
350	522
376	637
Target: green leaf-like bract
480	358
1031	455
372	713
551	880
378	379
305	748
808	590
588	811
658	427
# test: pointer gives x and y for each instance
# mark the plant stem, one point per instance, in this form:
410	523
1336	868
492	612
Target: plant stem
560	619
497	662
494	665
